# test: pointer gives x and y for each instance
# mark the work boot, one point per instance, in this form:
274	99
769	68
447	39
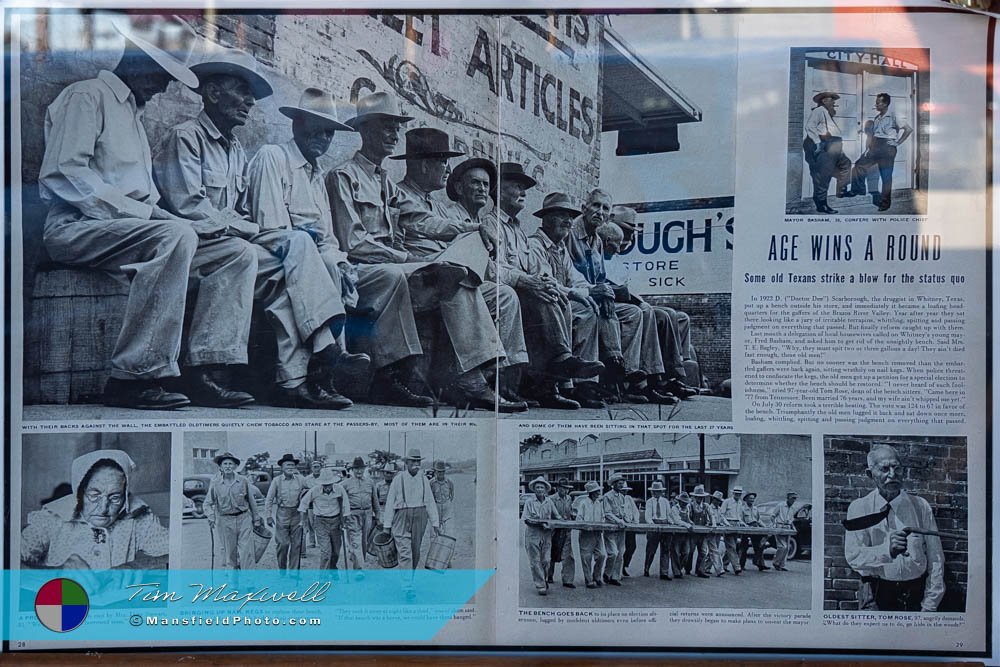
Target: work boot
203	389
470	391
391	387
311	397
142	395
554	401
575	368
588	395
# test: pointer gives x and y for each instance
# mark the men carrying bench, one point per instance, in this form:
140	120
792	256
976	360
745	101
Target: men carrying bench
104	213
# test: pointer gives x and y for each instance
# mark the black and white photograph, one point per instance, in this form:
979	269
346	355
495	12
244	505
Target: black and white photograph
340	500
896	519
665	520
287	213
858	131
95	501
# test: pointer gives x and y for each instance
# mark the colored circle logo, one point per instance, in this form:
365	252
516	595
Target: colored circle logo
61	605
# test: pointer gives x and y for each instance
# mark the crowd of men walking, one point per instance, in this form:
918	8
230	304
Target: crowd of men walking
343	262
606	555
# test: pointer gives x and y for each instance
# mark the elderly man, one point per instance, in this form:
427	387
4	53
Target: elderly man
885	133
444	496
784	518
538	538
310	481
562	538
732	514
382	488
100	525
659	512
365	204
553	259
104	213
751	517
283	497
700	515
616	511
201	167
824	151
902	570
363	502
329	504
409	508
590	508
715	548
229	504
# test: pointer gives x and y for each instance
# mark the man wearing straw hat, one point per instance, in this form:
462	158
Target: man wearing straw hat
562	538
683	544
229	504
824	151
365	203
732	515
363	514
700	516
784	518
902	569
202	168
715	549
329	504
537	538
590	508
105	213
283	496
659	512
444	496
616	511
409	507
310	481
751	517
573	348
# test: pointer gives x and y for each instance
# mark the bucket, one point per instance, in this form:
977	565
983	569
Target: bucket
440	553
385	550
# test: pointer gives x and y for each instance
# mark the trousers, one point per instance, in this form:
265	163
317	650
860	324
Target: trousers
288	538
538	544
504	304
592	555
358	524
614	542
236	532
823	166
662	542
875	164
680	554
732	544
674	335
162	260
330	539
562	552
782	553
888	595
408	527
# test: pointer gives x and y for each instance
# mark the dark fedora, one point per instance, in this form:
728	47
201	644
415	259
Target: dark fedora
818	97
223	456
319	104
471	163
358	462
556	201
512	171
287	457
427	143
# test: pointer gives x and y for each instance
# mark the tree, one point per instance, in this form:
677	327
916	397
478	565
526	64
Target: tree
380	457
533	441
257	461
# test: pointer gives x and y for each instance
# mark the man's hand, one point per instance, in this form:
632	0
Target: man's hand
435	531
270	522
163	214
488	233
241	228
602	291
583	296
208	229
897	543
349	274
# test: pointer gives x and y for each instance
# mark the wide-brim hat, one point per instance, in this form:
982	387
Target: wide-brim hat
616	477
413	454
564	483
717	495
261	538
792	493
377	105
591	486
513	171
737	489
326	477
818	97
748	496
287	457
166	61
440	465
472	163
389	467
234	62
226	455
699	492
657	486
684	497
427	143
624	217
556	201
539	480
319	104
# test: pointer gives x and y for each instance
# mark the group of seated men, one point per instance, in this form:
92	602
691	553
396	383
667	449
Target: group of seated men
342	262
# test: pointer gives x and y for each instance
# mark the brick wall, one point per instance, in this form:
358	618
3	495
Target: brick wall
936	470
710	330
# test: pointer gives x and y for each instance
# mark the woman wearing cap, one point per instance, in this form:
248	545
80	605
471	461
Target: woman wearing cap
537	538
823	148
101	525
229	504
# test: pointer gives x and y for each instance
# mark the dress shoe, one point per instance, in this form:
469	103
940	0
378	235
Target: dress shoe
554	401
614	582
846	193
630	397
550	580
625	572
763	567
588	395
310	397
666	577
607	579
575	368
825	208
780	568
883	207
141	395
471	392
391	388
660	397
543	591
592	585
645	573
703	575
678	389
203	390
569	585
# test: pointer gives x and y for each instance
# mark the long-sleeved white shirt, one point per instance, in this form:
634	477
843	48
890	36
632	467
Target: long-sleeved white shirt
867	551
821	123
409	491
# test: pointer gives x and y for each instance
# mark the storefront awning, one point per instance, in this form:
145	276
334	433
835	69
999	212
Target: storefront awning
639	103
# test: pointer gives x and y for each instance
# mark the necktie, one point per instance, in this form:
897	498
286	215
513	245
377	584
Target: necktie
868	520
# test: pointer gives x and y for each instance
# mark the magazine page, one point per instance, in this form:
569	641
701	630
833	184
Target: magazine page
836	504
253	339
